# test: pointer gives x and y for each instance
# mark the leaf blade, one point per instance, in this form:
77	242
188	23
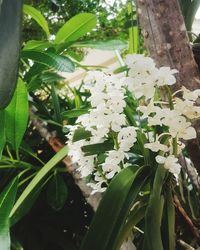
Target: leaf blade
39	177
76	27
7	198
38	17
16	116
49	59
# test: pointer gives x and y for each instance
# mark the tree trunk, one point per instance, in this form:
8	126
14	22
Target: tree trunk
166	39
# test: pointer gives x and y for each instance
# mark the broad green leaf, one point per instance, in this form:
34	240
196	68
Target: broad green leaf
10	30
16	116
97	148
76	27
2	132
74	113
81	134
37	179
49	59
39	45
38	17
51	77
114	208
102	45
153	217
57	192
7	199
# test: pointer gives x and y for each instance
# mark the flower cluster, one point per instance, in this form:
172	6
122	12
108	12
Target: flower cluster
107	120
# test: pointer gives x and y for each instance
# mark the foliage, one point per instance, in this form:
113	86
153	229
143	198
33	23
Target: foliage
40	205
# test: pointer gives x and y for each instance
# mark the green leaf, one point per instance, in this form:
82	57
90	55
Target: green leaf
133	219
28	203
111	215
16	116
97	148
10	30
74	113
49	59
2	132
38	17
76	27
153	217
189	9
81	134
51	77
102	45
36	181
171	220
120	70
39	45
7	199
56	104
57	192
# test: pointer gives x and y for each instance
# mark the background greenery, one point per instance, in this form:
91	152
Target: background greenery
48	211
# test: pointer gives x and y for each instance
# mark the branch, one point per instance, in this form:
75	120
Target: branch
187	219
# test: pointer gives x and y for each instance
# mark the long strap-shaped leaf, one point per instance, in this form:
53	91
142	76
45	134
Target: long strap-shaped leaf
7	199
112	212
37	180
153	239
10	30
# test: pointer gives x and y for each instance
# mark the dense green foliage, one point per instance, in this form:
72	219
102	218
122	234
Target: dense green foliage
40	205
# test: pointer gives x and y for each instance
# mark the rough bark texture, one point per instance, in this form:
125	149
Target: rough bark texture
166	39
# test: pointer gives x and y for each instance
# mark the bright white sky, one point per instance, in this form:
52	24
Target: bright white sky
112	1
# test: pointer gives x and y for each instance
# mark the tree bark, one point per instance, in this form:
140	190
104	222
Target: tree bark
166	39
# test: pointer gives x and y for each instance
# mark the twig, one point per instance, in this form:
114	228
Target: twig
193	228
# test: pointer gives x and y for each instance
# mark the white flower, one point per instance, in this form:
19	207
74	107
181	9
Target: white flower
86	163
141	86
182	129
165	76
187	108
150	108
190	95
126	138
156	146
156	119
97	185
117	121
139	65
170	163
115	157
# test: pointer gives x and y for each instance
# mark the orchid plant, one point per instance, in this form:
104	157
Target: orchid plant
128	117
128	144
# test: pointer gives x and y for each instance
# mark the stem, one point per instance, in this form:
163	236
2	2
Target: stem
171	105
